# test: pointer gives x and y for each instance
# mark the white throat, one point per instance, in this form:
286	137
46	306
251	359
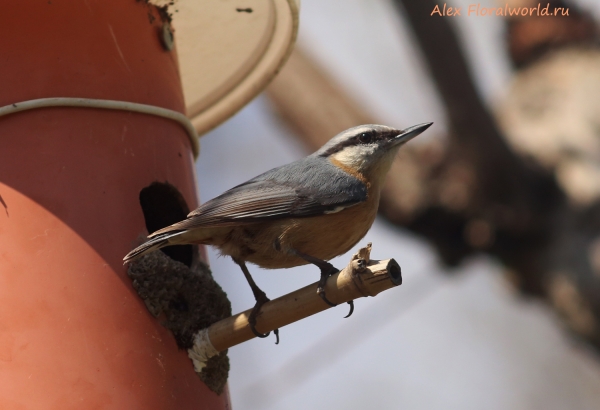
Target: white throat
368	160
357	157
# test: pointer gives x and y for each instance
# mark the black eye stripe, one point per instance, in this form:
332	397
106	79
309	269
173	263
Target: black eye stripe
366	137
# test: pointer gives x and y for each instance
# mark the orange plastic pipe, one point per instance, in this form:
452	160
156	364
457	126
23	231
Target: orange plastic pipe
73	332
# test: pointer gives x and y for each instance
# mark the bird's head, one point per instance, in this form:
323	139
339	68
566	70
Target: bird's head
368	149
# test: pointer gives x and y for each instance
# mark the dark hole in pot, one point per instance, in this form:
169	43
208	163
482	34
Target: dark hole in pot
163	205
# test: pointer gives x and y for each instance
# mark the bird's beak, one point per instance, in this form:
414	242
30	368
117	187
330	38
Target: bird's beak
409	133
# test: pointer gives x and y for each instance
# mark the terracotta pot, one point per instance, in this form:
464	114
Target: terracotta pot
73	332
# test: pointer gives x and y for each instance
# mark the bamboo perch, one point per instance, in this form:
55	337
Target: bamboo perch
362	277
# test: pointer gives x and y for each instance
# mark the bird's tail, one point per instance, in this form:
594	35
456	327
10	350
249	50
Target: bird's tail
153	244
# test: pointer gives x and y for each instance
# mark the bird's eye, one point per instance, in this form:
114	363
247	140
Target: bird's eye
365	137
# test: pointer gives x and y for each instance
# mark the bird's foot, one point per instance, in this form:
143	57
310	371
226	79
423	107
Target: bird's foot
326	272
261	299
327	269
321	293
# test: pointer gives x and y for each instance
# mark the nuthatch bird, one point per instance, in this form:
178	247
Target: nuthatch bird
309	211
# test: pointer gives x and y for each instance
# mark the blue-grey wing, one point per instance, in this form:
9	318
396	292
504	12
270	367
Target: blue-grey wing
309	187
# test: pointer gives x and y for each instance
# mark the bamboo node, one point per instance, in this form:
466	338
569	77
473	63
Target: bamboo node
363	253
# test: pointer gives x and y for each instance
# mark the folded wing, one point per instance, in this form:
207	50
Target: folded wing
309	187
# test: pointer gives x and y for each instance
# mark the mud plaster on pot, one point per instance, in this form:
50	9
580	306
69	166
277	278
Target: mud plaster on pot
186	300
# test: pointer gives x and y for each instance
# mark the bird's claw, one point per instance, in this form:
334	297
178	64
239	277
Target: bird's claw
252	322
326	271
263	335
321	293
351	303
261	300
257	333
